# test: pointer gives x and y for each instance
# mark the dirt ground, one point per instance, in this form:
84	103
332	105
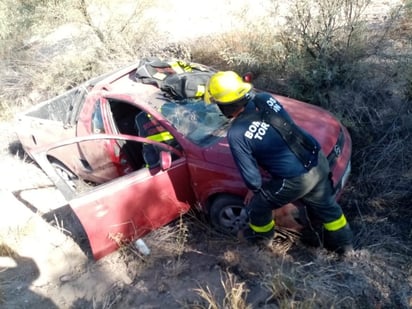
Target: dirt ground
46	263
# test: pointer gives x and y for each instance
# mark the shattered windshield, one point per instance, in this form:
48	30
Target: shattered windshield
201	123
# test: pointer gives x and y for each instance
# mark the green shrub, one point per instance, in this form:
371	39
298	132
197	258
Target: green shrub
323	41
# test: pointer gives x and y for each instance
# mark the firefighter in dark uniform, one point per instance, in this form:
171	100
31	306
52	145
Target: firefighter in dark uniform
256	144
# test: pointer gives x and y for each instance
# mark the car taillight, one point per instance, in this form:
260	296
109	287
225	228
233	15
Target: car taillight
337	149
339	186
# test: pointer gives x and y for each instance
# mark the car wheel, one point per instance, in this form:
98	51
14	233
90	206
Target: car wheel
66	174
227	214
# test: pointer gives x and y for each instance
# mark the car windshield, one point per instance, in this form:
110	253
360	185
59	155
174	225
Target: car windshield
201	123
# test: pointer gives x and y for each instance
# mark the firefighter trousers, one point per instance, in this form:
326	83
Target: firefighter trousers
314	189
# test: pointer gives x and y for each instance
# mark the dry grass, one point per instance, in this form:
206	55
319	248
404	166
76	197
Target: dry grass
235	295
167	244
5	250
111	299
172	241
14	235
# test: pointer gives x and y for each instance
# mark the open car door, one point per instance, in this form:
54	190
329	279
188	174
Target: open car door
129	206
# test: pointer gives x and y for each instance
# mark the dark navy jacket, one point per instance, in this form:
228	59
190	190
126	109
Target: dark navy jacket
255	143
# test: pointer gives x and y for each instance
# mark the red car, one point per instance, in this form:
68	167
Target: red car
86	140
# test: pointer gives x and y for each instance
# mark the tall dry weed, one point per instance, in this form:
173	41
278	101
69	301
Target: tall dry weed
235	294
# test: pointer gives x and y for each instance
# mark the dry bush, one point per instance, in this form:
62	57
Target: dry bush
402	34
322	41
360	72
313	51
251	47
241	51
130	31
50	46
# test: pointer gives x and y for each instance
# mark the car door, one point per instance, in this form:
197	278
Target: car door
99	158
129	206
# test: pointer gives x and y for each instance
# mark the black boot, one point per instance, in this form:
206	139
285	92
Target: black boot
250	236
340	241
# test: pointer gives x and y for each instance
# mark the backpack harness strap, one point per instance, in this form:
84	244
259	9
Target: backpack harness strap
303	147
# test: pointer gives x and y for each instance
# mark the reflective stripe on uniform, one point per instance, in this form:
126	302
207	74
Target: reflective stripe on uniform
335	225
200	91
161	137
180	67
263	229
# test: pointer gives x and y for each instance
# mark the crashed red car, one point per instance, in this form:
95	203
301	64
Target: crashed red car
86	141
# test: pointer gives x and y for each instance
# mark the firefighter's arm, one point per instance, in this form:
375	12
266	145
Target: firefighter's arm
248	168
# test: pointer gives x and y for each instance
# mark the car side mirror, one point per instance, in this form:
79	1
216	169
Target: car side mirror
165	160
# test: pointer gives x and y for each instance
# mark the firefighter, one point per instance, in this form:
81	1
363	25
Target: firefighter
255	143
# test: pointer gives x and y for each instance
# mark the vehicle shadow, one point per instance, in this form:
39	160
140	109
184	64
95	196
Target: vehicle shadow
16	149
71	227
16	278
62	218
65	220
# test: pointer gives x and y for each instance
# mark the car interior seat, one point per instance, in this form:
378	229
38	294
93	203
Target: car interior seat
146	127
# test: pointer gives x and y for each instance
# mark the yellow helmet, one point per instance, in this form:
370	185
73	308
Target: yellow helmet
225	88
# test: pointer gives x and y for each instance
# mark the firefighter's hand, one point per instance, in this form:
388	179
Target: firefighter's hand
248	197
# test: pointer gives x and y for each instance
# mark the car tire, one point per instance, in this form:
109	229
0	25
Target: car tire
227	214
65	173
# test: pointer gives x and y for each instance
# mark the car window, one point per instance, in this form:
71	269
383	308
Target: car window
97	119
122	116
201	123
126	118
80	164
